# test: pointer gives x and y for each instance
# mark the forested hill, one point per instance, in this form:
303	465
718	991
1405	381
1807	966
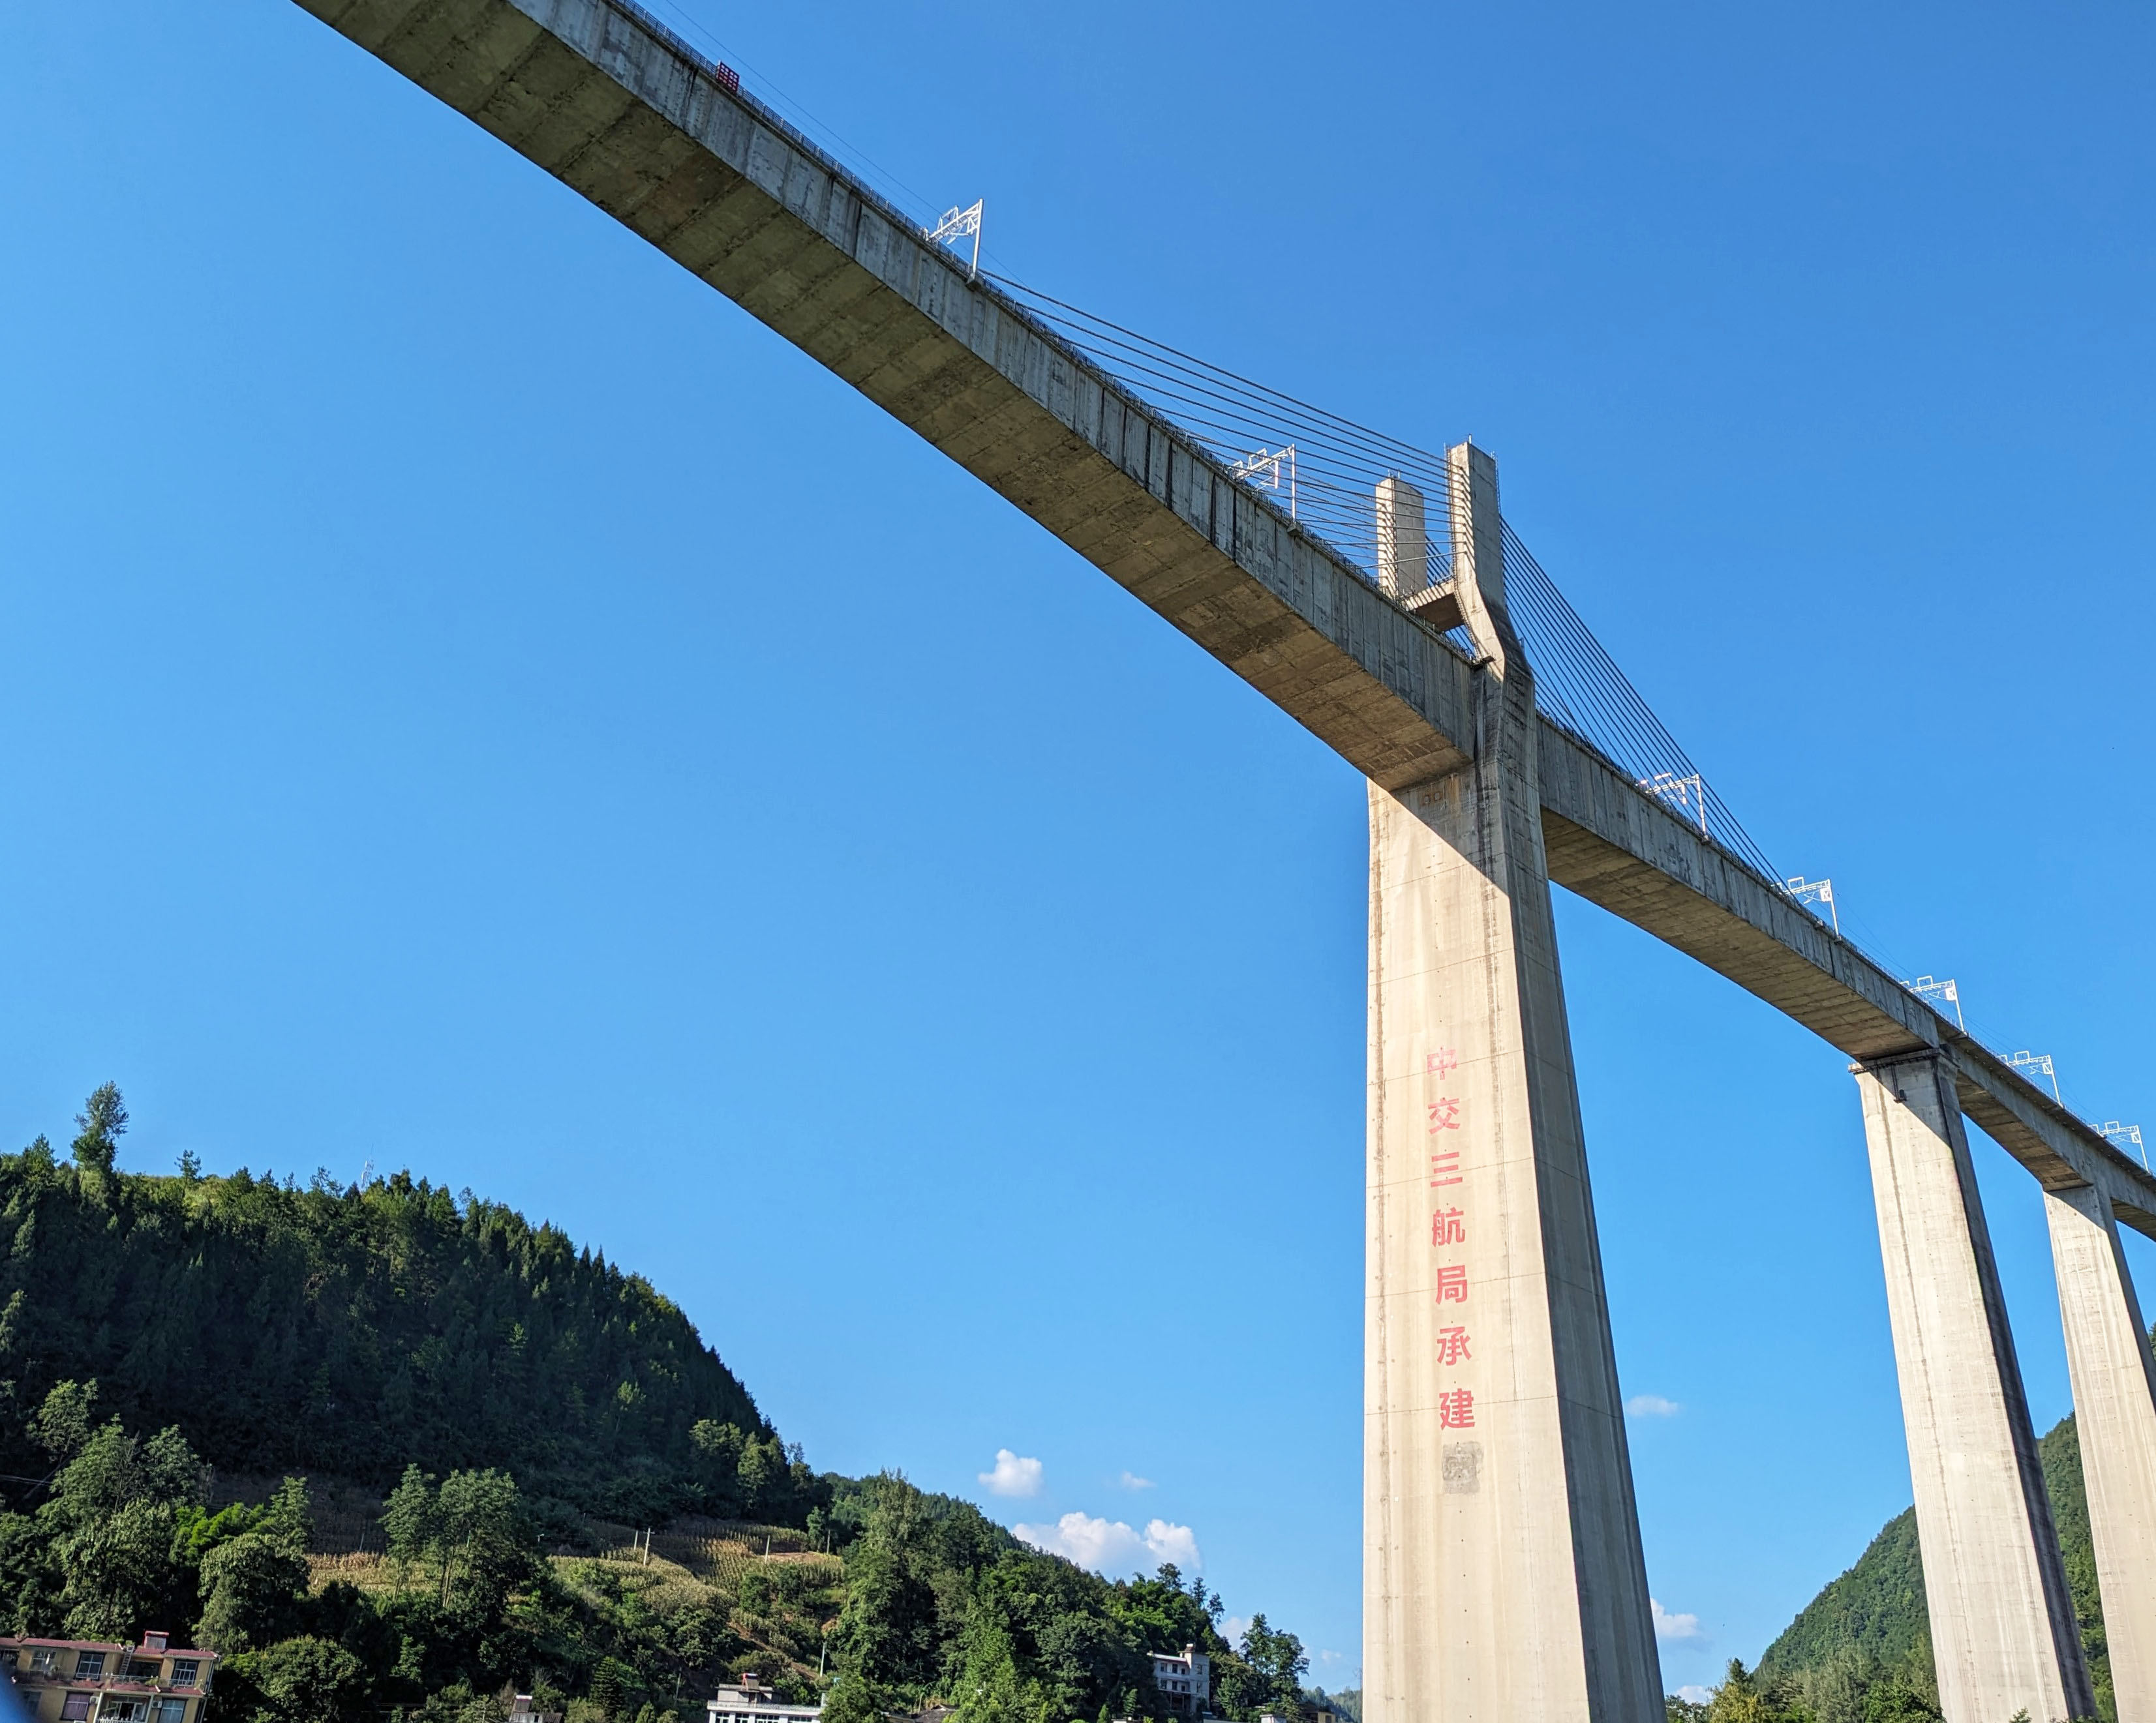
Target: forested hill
1866	1636
356	1331
461	1383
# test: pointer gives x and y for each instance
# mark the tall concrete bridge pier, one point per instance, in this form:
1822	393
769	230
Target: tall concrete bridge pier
1504	1582
1502	1575
2004	1636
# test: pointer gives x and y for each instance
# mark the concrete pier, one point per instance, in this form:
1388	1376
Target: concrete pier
1502	1572
2115	1414
2003	1632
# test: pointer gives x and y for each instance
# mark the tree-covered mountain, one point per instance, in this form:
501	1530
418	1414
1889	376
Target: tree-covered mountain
491	1409
357	1330
1860	1652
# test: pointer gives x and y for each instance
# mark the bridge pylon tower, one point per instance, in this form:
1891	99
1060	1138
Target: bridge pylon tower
1503	1577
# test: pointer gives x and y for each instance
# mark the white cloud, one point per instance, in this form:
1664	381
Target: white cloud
1089	1542
1673	1626
1330	1658
1107	1546
1013	1475
1131	1480
1167	1542
1233	1629
1692	1694
1650	1406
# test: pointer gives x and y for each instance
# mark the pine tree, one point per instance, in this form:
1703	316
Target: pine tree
103	1121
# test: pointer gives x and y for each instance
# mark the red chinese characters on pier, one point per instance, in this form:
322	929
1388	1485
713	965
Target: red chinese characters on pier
1448	1226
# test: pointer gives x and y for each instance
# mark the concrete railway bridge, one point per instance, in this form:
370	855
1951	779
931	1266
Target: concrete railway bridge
1375	594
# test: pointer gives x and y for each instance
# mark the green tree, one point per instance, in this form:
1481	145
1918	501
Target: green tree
29	1589
1163	1616
855	1698
615	1689
289	1518
1279	1661
61	1426
761	1470
100	1124
252	1585
1740	1698
412	1525
892	1630
302	1679
114	1520
1892	1700
485	1537
253	1580
118	1570
990	1688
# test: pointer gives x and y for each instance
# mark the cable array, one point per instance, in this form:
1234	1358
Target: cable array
1324	470
1579	686
1320	469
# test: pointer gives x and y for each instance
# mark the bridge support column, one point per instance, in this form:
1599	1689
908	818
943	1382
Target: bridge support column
1503	1580
2115	1416
2003	1632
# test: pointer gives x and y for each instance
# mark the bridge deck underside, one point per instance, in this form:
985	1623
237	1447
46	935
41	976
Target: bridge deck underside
588	92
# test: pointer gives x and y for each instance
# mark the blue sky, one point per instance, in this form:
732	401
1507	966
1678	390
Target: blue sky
476	700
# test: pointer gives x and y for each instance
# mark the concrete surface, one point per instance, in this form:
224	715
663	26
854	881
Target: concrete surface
1403	539
2003	1637
1502	1571
2115	1417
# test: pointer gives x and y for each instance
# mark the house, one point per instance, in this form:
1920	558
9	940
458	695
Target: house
97	1681
748	1700
1185	1681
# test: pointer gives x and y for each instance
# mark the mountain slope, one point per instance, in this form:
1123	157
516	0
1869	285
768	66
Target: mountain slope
394	1334
1869	1625
356	1332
